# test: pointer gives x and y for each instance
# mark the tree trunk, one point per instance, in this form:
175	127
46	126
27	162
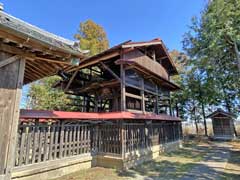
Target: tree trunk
203	109
196	125
228	106
204	120
195	120
237	55
177	110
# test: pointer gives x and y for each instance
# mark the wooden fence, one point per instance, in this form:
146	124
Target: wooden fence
41	142
141	136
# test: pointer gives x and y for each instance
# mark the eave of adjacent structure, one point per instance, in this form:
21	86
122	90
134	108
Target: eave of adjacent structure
45	53
61	115
31	32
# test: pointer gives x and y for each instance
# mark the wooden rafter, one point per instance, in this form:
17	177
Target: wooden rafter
28	42
88	62
70	81
110	71
28	55
140	44
36	69
94	86
161	58
9	60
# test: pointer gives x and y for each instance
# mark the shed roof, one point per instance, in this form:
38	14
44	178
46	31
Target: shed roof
221	113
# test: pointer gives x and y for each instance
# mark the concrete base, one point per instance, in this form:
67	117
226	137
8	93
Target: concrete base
52	169
135	158
224	138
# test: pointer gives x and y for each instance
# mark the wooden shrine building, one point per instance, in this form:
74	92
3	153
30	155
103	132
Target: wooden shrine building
132	76
223	124
122	97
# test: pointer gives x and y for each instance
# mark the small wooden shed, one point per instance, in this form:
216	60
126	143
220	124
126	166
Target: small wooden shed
223	124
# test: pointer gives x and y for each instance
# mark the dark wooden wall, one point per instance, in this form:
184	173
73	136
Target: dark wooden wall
223	127
11	79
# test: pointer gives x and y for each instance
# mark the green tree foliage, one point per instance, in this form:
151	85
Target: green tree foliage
92	37
179	98
42	96
213	46
211	78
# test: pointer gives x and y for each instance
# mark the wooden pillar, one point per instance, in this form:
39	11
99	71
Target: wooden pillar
123	88
11	81
96	102
84	109
154	55
123	139
115	100
170	104
156	110
142	95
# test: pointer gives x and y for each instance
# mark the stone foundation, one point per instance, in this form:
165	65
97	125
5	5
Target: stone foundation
223	138
135	158
52	169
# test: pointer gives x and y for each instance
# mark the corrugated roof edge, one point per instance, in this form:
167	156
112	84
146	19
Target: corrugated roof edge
17	21
42	114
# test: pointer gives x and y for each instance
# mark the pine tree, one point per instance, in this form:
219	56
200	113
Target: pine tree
92	37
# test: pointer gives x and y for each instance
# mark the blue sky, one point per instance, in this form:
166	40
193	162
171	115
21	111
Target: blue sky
122	20
138	20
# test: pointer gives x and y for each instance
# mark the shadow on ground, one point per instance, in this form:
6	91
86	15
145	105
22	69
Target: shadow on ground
185	164
189	163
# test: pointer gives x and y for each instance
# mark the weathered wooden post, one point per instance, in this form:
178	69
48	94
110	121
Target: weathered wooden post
11	81
123	88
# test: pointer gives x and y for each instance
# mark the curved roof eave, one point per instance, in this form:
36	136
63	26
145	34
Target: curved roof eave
24	29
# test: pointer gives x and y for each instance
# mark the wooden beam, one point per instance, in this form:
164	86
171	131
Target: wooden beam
123	88
96	85
161	58
140	44
16	112
154	55
142	95
28	55
70	81
135	96
91	61
31	43
110	71
36	69
9	60
157	109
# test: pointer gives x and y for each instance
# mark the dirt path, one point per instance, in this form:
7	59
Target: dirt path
213	164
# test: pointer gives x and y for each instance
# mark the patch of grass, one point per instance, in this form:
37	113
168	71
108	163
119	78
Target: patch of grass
189	151
232	169
96	173
173	164
170	165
